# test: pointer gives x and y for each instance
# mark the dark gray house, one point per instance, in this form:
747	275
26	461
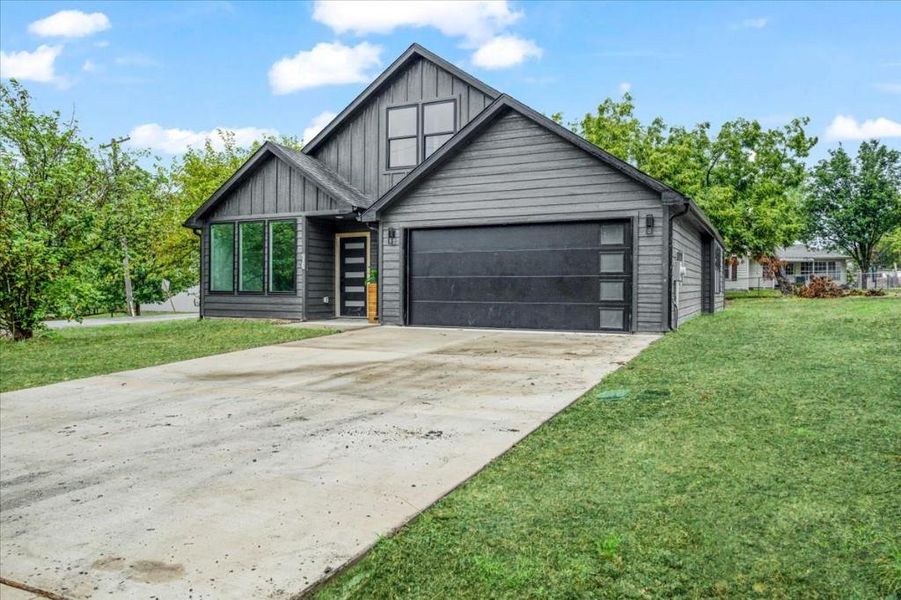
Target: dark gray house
476	211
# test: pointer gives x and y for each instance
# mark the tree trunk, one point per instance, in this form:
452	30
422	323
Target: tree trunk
129	293
22	333
785	286
137	306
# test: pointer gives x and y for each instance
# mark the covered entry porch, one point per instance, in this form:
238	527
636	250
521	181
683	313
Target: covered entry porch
338	253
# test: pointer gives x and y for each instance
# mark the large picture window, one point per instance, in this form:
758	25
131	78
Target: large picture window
403	137
282	256
222	257
250	257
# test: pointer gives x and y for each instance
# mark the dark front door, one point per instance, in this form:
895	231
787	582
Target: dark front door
352	276
567	276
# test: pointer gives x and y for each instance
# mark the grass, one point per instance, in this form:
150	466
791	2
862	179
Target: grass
84	351
755	454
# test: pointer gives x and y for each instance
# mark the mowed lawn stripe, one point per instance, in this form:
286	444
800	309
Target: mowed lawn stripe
756	454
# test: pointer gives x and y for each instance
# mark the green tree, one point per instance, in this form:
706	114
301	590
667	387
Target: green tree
888	250
853	204
51	193
745	177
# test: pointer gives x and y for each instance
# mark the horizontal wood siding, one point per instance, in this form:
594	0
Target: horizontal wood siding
273	188
271	306
357	149
518	172
687	239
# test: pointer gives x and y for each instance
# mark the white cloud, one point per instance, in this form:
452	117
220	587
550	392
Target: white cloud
624	87
177	141
102	44
891	88
848	128
756	23
31	66
325	64
474	21
90	66
70	23
505	51
317	124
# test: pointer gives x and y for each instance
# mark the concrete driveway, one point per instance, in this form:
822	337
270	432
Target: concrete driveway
252	474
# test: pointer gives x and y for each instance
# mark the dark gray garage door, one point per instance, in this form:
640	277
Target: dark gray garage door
569	276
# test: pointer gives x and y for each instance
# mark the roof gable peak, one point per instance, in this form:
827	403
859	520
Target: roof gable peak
414	51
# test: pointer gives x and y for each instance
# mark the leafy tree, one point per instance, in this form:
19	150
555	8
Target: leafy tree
746	178
888	250
854	204
51	194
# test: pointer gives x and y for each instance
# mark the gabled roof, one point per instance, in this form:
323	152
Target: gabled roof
327	180
805	252
500	107
411	53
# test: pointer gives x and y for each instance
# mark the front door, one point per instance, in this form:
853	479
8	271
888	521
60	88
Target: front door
352	275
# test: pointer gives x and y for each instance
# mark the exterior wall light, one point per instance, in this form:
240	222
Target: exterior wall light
392	236
649	224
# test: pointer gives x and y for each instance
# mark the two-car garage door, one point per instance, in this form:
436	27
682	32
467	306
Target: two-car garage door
567	276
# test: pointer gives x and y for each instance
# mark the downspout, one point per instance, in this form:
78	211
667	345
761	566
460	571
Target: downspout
669	264
199	234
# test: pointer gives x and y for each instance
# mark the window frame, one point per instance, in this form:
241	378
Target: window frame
269	255
210	289
454	124
420	130
239	259
388	139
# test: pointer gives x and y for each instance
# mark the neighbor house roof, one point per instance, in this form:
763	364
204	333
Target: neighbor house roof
804	252
327	180
501	106
413	52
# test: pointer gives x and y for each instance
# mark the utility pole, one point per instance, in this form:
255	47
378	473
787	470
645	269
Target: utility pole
123	239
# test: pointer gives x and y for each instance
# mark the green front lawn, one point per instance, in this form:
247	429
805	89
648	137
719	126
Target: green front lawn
84	351
755	455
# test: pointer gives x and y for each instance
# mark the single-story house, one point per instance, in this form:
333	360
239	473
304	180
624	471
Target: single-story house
468	207
801	263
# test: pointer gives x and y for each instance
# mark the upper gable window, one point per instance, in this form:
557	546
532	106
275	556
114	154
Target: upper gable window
437	125
416	131
403	137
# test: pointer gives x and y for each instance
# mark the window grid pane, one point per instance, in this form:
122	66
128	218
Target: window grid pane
612	291
433	142
612	235
222	257
402	152
401	122
438	117
250	257
282	256
611	318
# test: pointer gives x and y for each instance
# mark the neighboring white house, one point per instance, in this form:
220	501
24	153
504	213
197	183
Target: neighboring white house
186	301
745	273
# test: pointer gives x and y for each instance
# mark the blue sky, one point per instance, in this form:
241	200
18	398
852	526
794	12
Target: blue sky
168	72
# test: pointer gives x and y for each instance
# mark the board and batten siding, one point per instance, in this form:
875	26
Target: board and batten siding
274	187
519	172
687	239
274	190
357	150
